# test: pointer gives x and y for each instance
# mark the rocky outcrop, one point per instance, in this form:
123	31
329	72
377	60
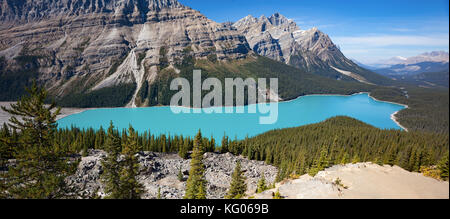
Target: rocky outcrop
361	181
84	45
279	38
160	171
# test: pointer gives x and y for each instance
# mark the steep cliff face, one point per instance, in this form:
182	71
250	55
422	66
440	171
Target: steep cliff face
281	39
25	11
87	45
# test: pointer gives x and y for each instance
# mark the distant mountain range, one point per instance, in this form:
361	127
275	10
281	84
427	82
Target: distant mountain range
426	62
427	69
427	79
124	52
435	56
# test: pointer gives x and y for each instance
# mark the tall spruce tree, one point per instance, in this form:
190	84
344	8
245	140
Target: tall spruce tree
180	175
224	146
261	185
356	159
196	183
6	147
130	188
238	187
345	159
41	170
443	167
111	164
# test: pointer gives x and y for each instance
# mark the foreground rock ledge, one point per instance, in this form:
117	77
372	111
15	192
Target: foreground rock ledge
362	181
161	171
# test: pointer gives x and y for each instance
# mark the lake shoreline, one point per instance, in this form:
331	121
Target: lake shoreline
65	112
394	115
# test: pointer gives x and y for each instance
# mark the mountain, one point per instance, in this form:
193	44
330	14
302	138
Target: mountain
279	38
370	67
435	56
108	53
426	79
413	69
81	46
436	61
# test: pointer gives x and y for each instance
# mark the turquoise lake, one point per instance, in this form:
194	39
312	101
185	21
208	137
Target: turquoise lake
302	111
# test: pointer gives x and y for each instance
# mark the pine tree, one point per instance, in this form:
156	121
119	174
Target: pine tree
99	138
41	170
224	147
324	160
379	161
261	185
443	167
130	188
321	163
111	165
158	196
85	151
391	156
277	195
355	159
6	147
183	151
201	194
345	159
238	187
212	145
180	174
196	183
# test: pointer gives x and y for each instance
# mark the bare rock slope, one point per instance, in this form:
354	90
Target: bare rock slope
160	171
362	181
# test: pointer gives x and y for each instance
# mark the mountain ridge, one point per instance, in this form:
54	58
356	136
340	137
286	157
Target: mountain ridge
410	68
281	39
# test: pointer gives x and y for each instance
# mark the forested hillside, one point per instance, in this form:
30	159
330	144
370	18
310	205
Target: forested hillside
293	82
428	108
426	79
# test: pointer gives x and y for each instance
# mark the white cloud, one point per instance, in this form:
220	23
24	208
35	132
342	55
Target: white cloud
402	29
371	49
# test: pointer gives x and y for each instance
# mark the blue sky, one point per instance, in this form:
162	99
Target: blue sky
366	30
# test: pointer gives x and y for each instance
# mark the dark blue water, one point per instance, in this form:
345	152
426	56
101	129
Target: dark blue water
302	111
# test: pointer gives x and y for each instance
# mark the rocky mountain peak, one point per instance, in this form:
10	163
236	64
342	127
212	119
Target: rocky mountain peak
281	39
277	19
283	31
